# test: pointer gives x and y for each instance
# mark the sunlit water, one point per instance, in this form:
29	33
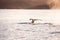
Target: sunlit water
16	31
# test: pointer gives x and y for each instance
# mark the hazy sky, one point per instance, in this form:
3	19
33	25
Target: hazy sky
46	15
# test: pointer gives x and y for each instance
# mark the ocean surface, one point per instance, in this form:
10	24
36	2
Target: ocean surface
17	31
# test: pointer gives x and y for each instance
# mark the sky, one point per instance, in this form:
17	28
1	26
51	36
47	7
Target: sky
52	16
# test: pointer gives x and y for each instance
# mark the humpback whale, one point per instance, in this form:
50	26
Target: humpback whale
33	20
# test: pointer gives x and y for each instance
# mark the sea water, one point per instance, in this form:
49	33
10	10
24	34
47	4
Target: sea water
12	30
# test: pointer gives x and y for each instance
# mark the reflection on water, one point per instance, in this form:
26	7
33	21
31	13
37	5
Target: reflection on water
24	23
55	32
26	31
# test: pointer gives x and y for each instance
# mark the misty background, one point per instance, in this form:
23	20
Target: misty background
21	15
